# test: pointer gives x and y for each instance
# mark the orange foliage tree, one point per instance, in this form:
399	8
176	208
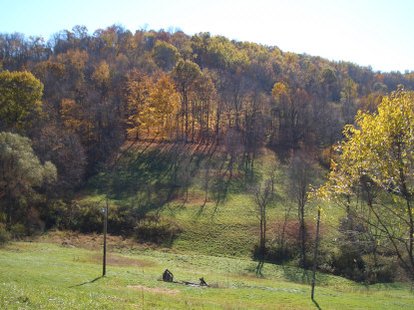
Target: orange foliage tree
153	105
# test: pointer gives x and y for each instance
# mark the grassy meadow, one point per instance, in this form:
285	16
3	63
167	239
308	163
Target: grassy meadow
40	275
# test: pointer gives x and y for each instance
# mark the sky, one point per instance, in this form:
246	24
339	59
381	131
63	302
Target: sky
376	33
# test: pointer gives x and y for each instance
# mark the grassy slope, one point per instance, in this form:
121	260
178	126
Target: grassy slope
50	276
228	228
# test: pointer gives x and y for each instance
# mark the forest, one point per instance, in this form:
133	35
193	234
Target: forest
142	119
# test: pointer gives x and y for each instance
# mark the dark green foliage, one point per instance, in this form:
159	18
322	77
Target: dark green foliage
17	231
4	235
349	263
156	230
83	216
275	253
165	55
358	257
22	174
56	214
381	269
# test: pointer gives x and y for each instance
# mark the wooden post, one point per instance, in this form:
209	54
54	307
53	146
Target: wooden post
104	243
315	253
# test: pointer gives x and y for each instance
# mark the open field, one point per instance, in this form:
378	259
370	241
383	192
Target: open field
38	275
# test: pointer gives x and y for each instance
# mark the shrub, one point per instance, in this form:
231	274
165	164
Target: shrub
348	263
17	231
285	246
275	253
34	224
86	217
379	270
55	214
157	230
4	235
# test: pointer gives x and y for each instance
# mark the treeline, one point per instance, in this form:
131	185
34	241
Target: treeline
173	86
104	88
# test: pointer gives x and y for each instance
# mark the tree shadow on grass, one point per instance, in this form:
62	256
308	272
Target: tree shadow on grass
295	274
316	304
87	282
259	269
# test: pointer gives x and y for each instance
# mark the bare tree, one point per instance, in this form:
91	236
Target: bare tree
263	196
301	173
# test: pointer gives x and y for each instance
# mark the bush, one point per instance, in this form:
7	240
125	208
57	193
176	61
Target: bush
283	248
358	257
348	263
82	216
351	264
55	214
17	231
86	217
34	224
157	230
4	235
381	270
275	253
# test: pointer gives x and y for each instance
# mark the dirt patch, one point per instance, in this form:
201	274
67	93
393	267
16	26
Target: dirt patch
155	290
197	199
90	241
117	260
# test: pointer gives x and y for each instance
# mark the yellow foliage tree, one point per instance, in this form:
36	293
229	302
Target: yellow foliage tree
20	97
75	121
101	74
378	154
153	104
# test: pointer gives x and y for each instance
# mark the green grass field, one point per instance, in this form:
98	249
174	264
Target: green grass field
39	275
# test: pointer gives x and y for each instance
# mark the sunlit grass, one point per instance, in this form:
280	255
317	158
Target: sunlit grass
50	276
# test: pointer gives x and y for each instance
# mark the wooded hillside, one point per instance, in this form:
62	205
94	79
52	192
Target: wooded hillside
104	88
141	117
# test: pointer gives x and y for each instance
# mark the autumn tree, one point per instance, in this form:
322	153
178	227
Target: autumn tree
349	95
378	150
153	106
290	108
165	55
20	99
62	146
185	74
330	84
14	51
203	107
255	123
101	77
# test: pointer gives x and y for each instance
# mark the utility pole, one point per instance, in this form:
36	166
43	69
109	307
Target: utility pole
105	231
315	253
106	209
